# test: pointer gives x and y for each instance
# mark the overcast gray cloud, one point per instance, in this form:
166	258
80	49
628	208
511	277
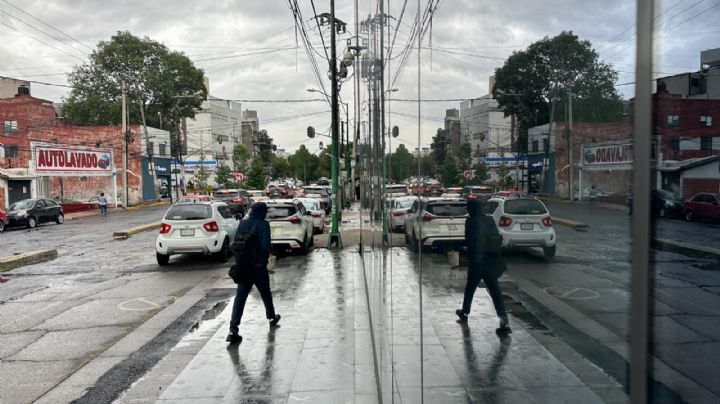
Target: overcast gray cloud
470	38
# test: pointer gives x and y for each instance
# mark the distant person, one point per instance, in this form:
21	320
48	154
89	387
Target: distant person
485	262
252	252
103	203
593	196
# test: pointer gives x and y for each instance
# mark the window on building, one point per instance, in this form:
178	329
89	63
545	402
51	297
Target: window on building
10	126
673	121
11	150
706	143
162	149
535	146
675	143
705	120
150	146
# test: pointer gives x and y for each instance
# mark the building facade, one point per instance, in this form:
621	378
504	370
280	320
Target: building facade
484	125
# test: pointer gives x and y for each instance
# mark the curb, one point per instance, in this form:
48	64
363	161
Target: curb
31	257
146	205
124	234
577	226
686	249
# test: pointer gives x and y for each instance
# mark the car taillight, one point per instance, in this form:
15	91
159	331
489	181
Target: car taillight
400	213
284	192
505	221
294	220
547	222
238	200
165	228
442	189
472	196
428	217
211	227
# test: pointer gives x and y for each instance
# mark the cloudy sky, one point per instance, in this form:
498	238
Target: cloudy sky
248	49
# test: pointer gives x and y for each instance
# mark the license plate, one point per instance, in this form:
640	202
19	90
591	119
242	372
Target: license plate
452	227
187	232
526	226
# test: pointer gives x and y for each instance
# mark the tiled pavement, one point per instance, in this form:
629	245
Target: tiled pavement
323	353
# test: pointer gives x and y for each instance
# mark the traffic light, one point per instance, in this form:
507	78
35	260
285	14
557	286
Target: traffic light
321	145
311	132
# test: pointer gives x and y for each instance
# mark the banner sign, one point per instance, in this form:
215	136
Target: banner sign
57	159
616	154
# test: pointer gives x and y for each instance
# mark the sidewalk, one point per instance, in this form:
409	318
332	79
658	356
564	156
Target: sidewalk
326	351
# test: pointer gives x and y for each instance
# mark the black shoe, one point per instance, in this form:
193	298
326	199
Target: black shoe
233	338
504	327
274	321
461	315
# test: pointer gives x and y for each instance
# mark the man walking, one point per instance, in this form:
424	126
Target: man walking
103	202
254	272
485	262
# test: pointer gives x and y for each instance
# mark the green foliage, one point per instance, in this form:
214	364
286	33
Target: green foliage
153	74
255	178
465	156
402	164
223	176
482	174
547	71
503	172
281	167
450	174
240	157
202	175
324	168
303	164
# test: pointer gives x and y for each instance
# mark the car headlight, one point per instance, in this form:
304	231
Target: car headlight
21	213
669	204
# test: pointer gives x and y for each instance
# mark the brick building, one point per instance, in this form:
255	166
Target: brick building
43	155
687	127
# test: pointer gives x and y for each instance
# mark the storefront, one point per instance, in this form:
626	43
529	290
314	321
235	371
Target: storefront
163	170
541	173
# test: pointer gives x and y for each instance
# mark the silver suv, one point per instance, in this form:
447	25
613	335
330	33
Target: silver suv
436	221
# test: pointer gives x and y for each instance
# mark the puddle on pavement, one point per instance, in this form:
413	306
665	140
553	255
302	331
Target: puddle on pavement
518	310
205	327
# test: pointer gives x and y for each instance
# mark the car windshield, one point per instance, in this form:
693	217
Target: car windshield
482	191
189	212
22	205
447	209
311	205
314	190
395	188
668	195
220	195
524	207
405	204
280	212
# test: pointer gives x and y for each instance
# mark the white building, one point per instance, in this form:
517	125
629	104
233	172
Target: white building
484	126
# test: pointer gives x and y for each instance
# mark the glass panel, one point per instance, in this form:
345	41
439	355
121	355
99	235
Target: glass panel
189	212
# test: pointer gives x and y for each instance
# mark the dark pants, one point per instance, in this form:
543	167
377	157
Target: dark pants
261	280
103	210
475	275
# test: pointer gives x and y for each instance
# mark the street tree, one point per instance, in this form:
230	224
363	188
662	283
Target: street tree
164	85
502	171
303	164
223	176
465	156
240	157
202	174
281	167
548	71
482	173
325	163
255	178
450	173
402	163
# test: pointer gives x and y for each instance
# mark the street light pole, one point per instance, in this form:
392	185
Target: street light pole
334	237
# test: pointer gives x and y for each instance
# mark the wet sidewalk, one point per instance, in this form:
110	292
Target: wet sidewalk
326	351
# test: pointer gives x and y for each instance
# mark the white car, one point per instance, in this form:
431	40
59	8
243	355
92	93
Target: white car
436	221
321	193
395	190
316	211
523	222
398	210
291	225
202	228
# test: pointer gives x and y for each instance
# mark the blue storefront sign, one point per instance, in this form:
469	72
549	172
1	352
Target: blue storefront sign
163	171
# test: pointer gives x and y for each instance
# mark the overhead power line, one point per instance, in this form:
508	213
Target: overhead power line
46	24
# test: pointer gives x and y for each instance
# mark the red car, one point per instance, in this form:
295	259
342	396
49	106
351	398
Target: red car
3	220
703	205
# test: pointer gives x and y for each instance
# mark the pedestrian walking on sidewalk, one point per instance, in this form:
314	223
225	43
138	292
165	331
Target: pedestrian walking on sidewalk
485	262
252	252
593	196
103	203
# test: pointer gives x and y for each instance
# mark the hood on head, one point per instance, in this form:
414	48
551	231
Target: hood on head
475	208
259	210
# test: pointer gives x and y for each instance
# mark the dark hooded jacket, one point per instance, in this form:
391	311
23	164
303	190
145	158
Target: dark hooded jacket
477	227
256	223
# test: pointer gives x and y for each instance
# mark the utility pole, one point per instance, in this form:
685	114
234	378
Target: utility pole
149	149
383	178
125	144
569	147
334	236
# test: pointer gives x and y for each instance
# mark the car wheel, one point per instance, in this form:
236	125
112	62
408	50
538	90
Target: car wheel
31	222
162	259
549	251
304	247
689	215
413	243
60	219
224	254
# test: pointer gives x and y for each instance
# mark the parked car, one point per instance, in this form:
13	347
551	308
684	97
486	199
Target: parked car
194	198
395	190
31	212
431	188
291	225
398	210
436	222
476	192
321	193
276	191
703	205
664	203
588	191
3	220
196	228
511	193
256	194
316	211
238	200
523	222
452	192
323	181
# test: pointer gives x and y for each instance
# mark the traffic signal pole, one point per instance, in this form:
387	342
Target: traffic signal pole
334	239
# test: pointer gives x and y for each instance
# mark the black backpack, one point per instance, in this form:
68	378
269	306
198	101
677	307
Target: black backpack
491	242
244	247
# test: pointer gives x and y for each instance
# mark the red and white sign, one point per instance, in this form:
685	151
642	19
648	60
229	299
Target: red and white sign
55	159
238	176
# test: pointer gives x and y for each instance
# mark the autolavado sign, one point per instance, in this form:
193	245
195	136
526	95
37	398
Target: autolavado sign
57	159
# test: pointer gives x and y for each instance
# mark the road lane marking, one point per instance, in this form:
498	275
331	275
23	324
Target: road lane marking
145	304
